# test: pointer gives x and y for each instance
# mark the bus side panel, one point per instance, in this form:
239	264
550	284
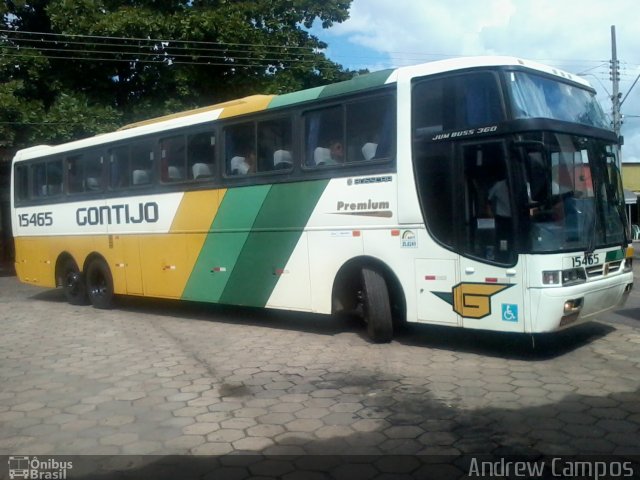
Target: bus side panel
223	244
33	261
275	234
349	210
329	251
163	261
293	289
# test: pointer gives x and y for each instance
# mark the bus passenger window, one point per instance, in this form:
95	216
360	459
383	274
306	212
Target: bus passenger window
172	158
274	145
324	137
21	183
74	174
201	155
370	127
240	149
142	163
119	167
47	179
84	173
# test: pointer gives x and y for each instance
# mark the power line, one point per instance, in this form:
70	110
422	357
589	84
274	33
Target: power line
169	57
162	46
221	46
157	40
164	61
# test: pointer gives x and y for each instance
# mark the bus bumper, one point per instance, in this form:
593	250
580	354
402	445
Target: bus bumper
558	308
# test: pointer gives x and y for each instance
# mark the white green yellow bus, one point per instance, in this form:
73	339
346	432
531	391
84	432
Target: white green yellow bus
480	193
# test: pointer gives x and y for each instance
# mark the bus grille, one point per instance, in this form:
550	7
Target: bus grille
604	269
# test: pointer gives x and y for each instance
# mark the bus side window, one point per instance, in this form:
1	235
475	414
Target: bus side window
54	178
93	172
119	167
172	158
240	149
21	183
47	179
142	163
201	155
84	173
324	137
370	129
75	174
274	145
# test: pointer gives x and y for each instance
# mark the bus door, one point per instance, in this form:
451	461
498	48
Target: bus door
490	294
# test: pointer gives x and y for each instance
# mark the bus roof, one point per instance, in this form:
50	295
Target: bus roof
256	103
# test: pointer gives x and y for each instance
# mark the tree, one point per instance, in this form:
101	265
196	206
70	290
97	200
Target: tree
75	68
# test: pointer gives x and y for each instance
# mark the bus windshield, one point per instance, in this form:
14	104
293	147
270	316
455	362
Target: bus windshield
535	96
575	194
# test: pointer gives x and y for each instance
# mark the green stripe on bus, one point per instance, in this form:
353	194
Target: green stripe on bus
361	82
295	97
614	255
223	245
277	229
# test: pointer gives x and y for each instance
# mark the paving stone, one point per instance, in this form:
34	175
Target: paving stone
184	442
225	435
213	449
200	428
303	425
276	418
27	407
238	423
117	420
265	430
253	443
119	439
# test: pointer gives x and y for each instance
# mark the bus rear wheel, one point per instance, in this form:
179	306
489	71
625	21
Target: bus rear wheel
376	306
99	284
73	284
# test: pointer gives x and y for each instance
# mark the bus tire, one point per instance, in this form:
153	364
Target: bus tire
73	283
99	284
376	306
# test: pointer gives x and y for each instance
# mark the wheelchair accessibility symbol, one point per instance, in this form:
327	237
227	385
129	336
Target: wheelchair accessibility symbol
509	312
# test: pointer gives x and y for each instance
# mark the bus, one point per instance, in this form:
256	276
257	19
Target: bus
480	192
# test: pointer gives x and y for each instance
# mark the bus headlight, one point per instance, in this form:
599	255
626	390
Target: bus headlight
628	264
571	276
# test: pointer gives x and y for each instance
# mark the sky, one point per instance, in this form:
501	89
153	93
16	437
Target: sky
574	35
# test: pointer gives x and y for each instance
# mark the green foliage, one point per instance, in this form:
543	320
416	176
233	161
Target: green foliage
95	64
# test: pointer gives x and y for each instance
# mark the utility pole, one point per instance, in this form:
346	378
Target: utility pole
615	95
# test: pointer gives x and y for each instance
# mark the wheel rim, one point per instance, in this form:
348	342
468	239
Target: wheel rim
98	285
73	283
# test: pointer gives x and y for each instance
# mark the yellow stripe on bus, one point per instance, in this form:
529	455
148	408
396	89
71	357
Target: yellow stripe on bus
254	103
197	211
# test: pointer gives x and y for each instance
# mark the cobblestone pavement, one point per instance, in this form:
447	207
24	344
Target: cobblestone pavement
161	378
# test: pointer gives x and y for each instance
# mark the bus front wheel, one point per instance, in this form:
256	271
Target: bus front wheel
99	284
73	284
376	306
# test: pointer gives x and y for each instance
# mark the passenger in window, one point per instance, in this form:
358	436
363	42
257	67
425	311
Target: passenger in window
243	165
336	152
